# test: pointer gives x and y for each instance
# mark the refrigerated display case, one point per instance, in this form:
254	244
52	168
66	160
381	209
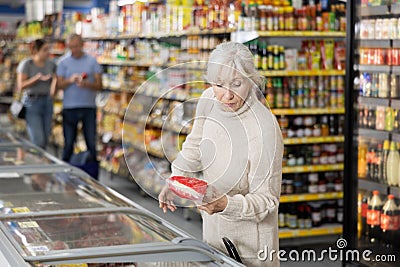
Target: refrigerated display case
372	128
59	216
26	156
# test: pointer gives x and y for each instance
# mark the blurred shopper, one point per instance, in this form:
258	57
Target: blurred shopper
236	143
79	75
36	79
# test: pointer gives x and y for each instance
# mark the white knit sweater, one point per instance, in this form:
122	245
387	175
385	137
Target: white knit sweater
240	153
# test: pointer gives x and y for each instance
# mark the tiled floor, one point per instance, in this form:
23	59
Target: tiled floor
193	226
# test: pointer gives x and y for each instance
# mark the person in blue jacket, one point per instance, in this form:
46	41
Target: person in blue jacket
79	75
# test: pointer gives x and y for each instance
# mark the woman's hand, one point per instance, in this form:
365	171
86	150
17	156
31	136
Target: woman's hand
166	200
215	206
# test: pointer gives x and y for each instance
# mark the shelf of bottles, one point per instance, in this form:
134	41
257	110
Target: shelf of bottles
305	90
377	128
310	197
315	231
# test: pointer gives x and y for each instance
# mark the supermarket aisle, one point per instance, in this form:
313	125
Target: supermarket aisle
193	227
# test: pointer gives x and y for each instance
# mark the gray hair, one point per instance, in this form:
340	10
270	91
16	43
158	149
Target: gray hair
234	56
74	36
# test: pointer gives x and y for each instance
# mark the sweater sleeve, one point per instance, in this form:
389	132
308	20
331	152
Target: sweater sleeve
188	159
264	179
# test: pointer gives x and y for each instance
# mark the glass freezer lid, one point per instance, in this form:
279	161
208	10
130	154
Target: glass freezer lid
23	155
6	137
52	191
48	235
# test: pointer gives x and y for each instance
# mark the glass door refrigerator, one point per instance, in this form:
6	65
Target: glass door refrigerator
372	134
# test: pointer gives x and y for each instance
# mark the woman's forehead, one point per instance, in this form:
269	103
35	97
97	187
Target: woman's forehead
228	75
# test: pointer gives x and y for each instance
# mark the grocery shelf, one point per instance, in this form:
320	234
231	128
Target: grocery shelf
395	103
121	89
396	44
330	229
396	69
290	73
395	9
307	111
374	43
151	151
371	186
178	129
394	190
125	62
313	168
375	68
119	113
313	140
396	137
158	35
373	101
310	197
376	134
301	34
367	11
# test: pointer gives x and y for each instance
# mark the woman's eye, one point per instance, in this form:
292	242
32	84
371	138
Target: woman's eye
237	83
219	85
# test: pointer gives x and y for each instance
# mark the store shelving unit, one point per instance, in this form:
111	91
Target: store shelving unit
358	100
290	39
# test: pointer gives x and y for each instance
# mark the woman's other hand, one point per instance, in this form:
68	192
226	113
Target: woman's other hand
166	200
45	77
215	206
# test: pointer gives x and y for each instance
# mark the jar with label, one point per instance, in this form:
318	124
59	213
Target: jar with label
313	183
283	122
317	130
292	218
291	160
281	216
316	213
298	185
339	211
316	154
322	188
323	159
301	215
300	159
338	183
289	186
308	219
330	210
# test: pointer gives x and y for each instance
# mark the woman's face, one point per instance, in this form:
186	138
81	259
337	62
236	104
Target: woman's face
44	51
232	93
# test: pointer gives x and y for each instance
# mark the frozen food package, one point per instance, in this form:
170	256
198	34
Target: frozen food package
188	187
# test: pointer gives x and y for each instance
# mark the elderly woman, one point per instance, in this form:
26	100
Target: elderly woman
237	144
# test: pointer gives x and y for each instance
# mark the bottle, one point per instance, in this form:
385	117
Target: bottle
374	217
392	165
378	166
370	163
389	119
385	154
264	57
371	118
389	224
362	159
364	209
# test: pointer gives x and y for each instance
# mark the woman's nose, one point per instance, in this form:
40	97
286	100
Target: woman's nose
228	94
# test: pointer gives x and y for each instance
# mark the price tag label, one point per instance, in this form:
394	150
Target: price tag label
20	210
6	175
28	224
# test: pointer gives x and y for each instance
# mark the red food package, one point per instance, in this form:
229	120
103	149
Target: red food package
188	187
84	75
